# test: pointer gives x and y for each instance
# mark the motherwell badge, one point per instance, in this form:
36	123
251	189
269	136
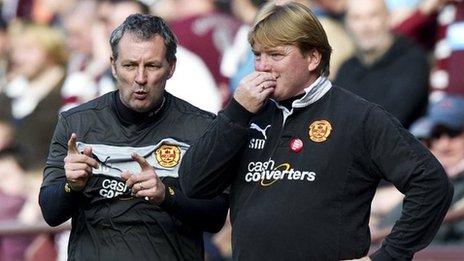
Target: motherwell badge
168	156
319	130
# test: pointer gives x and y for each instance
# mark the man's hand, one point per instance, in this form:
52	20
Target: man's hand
254	89
146	184
78	167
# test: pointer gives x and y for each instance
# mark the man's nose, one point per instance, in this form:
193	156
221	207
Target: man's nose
443	141
263	64
141	77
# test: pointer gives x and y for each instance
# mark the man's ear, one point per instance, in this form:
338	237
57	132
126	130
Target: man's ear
313	57
113	66
172	68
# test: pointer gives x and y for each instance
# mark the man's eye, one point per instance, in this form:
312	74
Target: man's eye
153	66
276	56
128	66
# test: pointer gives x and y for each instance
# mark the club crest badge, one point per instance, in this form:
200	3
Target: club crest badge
320	130
168	156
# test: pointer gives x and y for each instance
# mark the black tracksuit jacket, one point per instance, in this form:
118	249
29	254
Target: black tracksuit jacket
108	223
310	199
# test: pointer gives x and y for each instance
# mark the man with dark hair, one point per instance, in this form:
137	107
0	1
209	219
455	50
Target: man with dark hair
113	162
303	158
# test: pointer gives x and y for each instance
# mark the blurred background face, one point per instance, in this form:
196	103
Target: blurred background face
332	6
4	43
448	146
6	135
28	57
367	21
78	25
244	10
78	35
120	12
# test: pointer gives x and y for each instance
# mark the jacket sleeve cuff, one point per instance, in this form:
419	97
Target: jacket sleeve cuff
381	255
169	198
69	193
237	113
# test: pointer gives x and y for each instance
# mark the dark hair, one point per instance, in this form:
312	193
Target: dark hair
3	25
145	27
18	154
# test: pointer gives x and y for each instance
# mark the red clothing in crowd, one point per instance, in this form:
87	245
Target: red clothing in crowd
445	31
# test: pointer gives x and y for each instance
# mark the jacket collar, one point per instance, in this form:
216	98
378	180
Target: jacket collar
312	93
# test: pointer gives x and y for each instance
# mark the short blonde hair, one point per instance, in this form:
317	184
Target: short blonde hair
291	24
50	39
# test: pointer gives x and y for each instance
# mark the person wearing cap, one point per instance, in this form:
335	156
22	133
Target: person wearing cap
442	131
303	158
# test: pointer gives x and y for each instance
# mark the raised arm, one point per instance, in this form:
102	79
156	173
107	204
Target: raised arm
66	173
208	166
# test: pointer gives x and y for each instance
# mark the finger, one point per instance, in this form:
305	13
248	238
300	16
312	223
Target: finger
76	166
72	147
143	163
265	85
251	76
268	83
250	80
151	193
77	175
88	151
90	160
145	181
147	184
81	158
267	92
264	76
128	177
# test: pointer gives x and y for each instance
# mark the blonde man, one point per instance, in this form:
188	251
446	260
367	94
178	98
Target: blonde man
303	158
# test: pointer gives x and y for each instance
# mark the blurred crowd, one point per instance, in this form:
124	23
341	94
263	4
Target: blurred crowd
405	55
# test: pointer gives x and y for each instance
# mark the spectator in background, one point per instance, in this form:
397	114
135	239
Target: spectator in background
400	9
203	30
6	134
238	59
89	52
327	11
442	130
387	69
4	47
31	99
439	24
13	196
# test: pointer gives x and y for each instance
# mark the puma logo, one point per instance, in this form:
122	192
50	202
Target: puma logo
263	131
